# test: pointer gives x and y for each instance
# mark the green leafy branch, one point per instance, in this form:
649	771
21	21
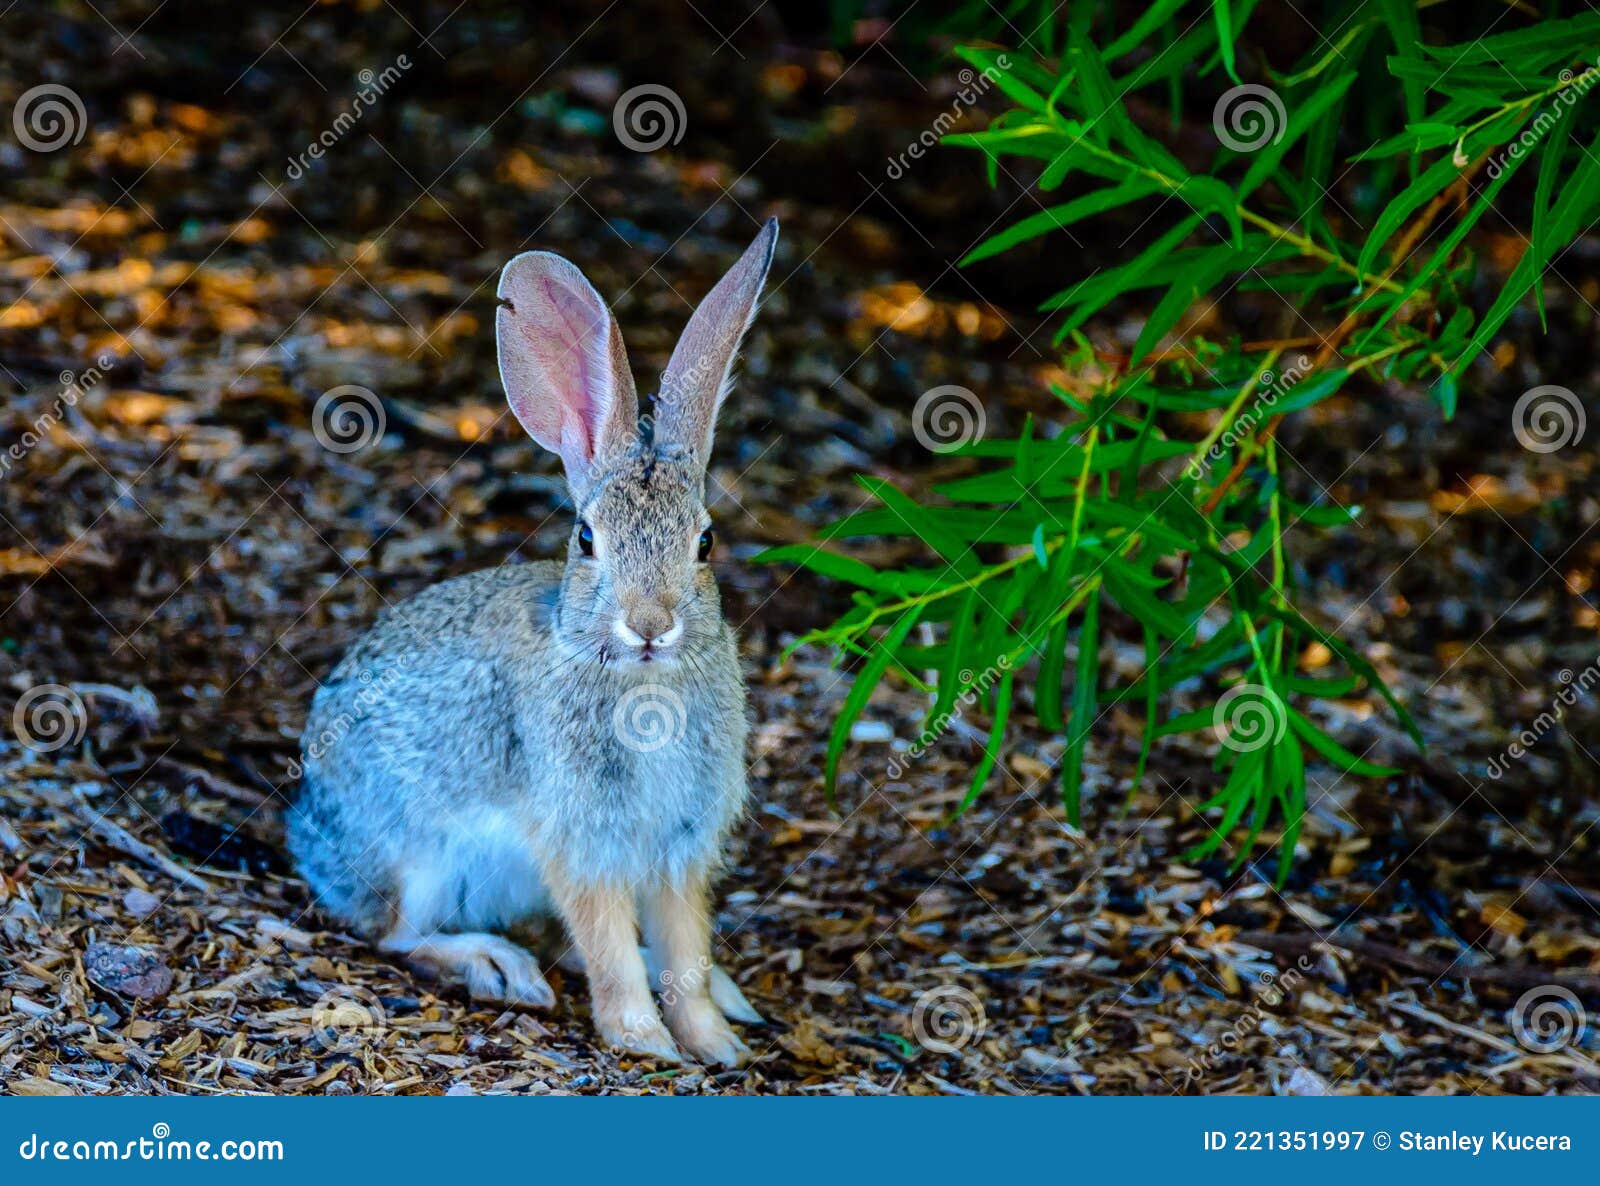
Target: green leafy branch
1110	514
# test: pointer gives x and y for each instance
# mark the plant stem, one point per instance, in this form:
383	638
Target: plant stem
1305	245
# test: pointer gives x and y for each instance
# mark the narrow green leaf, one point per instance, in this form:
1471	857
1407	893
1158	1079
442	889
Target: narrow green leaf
1054	218
1543	243
1292	804
1183	294
1305	117
991	748
1334	752
1224	18
846	568
1147	736
1571	210
1237	793
957	657
1084	703
1400	209
861	688
924	523
1356	661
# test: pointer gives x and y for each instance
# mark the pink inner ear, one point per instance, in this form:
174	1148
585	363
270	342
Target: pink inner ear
552	362
562	362
575	330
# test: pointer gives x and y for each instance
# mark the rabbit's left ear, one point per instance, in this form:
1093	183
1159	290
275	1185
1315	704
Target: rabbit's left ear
563	364
696	378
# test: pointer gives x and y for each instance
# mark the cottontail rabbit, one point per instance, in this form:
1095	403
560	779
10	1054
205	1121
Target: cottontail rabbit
558	740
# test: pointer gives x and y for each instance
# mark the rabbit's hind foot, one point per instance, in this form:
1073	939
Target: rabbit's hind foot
493	968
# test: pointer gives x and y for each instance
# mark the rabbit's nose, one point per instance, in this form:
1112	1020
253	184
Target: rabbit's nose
647	626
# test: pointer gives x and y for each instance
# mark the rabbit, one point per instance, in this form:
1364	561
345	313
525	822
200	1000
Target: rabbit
558	740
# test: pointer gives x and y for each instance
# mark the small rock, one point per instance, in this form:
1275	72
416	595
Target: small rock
1304	1082
141	903
50	899
129	971
596	84
460	1087
1312	1003
1042	1062
871	731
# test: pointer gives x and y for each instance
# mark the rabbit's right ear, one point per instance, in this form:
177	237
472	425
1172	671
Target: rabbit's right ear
696	379
563	364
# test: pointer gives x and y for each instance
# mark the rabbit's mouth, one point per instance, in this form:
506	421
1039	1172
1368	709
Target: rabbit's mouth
650	652
654	647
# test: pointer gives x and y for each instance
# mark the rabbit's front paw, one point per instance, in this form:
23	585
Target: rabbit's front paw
640	1033
702	1030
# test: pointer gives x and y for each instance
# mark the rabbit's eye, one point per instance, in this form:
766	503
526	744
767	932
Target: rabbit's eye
586	539
707	539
